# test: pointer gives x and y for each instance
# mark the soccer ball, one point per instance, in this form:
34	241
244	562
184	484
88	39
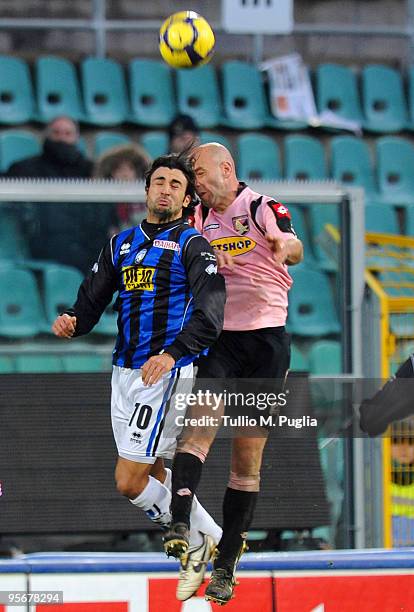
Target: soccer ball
186	40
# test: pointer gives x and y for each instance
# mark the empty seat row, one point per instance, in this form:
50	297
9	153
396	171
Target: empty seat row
43	362
148	95
322	358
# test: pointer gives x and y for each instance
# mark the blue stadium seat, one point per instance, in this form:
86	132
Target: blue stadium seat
381	219
13	245
299	225
258	157
198	95
107	325
304	158
352	164
155	143
16	91
298	361
16	145
60	288
243	96
21	313
395	169
337	91
311	306
151	93
384	104
319	216
325	358
57	89
104	91
107	140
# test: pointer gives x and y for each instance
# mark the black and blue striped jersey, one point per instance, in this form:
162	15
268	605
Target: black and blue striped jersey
170	296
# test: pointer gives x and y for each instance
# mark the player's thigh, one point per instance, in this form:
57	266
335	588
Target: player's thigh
224	359
269	351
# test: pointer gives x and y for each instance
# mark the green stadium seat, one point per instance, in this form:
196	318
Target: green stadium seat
319	216
6	364
107	324
16	145
16	91
325	358
21	313
243	96
381	219
337	91
60	288
395	169
85	363
38	363
258	157
384	104
298	361
104	91
155	143
304	158
198	95
107	140
206	136
13	244
352	164
311	307
299	225
57	89
151	93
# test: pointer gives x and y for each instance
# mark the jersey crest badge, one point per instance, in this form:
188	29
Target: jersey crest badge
140	256
241	224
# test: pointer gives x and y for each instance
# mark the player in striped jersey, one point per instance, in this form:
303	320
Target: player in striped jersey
170	307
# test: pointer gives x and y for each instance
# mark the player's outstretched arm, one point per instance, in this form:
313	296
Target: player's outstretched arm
288	252
64	326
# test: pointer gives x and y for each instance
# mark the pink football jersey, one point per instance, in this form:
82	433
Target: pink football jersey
257	288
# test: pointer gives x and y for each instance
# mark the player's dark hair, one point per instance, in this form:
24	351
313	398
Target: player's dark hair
174	162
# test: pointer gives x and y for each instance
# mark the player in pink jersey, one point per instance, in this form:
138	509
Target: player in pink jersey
254	242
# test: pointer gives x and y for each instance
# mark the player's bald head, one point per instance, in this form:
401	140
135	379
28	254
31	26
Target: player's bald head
214	152
216	180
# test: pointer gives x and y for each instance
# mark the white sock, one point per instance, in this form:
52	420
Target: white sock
200	519
155	500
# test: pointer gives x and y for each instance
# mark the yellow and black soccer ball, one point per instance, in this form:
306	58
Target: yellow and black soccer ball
186	40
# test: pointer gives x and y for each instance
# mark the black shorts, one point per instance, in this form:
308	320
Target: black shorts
259	353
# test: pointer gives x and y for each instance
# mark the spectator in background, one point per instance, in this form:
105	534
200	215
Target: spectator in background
184	134
124	163
60	158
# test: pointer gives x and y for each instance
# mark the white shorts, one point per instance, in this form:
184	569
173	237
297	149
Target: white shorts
144	419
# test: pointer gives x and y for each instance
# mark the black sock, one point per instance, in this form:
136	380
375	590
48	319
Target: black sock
238	509
186	474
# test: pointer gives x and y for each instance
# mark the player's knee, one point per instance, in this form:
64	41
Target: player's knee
199	450
129	486
244	482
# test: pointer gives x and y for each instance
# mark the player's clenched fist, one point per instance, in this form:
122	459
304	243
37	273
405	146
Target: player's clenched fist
64	326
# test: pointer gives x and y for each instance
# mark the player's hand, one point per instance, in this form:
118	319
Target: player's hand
64	326
155	367
278	248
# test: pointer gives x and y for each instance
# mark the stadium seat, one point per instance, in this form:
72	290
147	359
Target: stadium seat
352	164
319	216
258	157
381	219
243	96
409	221
21	312
104	91
107	325
299	225
86	363
304	158
311	306
37	363
107	140
337	91
16	91
13	244
151	93
60	288
395	169
384	104
57	89
206	136
325	358
155	143
411	98
198	95
6	364
16	145
298	361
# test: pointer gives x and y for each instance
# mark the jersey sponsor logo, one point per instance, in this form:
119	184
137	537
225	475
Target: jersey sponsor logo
140	256
211	226
167	244
234	245
241	224
138	278
211	269
279	209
